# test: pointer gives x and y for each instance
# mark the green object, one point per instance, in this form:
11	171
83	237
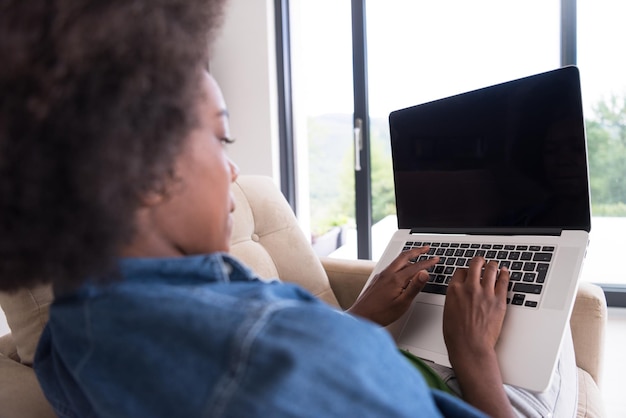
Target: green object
432	379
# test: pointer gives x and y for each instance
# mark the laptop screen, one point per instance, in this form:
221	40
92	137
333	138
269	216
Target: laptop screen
505	157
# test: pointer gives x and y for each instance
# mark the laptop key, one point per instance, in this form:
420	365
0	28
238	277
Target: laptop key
518	299
514	255
435	288
542	257
541	276
527	288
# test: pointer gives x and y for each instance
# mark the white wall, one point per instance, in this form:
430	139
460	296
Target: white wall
243	61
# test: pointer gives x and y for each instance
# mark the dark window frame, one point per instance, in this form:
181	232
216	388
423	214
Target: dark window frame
362	177
285	109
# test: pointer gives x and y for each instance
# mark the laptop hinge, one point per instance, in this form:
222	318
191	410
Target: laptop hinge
495	231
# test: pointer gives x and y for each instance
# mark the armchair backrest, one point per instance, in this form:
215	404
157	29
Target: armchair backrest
267	237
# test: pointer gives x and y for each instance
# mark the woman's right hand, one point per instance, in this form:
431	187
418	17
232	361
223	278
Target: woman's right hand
475	307
473	315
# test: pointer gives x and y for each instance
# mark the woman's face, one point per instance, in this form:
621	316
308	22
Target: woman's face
195	216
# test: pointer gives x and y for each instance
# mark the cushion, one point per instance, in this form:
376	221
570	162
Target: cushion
267	237
21	395
589	397
588	323
27	314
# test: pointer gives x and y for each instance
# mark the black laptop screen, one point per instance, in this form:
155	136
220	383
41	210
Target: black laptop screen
507	156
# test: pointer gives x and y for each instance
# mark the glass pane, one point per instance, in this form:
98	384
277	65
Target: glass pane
321	49
601	32
425	50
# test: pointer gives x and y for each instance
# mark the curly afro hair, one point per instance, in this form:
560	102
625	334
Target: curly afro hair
96	99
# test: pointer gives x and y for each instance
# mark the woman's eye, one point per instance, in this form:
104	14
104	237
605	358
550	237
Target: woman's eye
227	141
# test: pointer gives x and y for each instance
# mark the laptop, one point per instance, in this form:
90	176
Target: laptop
499	172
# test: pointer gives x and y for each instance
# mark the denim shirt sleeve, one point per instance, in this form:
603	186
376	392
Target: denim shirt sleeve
232	349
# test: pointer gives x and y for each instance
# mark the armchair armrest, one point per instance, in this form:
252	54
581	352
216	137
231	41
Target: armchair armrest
588	323
8	348
21	395
347	278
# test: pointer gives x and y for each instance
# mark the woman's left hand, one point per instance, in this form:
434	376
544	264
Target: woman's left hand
391	292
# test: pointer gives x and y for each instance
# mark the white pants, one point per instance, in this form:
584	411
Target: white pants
561	398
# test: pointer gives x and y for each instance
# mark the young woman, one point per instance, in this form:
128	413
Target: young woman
115	187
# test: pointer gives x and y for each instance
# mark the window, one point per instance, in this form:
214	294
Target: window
322	100
422	50
600	36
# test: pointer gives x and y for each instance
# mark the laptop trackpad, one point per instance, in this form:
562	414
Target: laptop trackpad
423	333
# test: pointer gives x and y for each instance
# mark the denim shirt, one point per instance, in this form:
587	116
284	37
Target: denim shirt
200	336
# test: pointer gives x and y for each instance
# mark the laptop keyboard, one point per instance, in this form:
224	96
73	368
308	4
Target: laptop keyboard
528	266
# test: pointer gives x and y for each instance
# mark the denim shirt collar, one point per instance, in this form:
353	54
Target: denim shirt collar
216	267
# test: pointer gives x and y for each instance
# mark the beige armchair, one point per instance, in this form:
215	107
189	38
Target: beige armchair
267	237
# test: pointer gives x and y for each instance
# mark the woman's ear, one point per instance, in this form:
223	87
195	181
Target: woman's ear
151	198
